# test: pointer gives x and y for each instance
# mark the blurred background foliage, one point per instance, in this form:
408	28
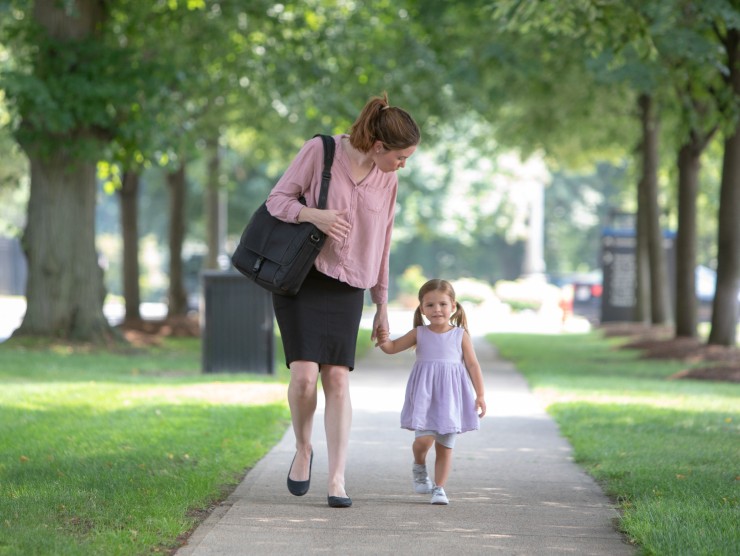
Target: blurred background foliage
497	86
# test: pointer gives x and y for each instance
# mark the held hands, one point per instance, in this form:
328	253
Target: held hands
382	337
380	324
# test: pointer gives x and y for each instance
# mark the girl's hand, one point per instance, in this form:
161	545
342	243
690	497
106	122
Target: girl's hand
394	346
480	405
383	337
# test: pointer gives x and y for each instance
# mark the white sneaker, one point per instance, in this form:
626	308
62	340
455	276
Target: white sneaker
439	498
422	482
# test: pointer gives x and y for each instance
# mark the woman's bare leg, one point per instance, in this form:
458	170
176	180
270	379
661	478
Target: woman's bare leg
337	422
302	401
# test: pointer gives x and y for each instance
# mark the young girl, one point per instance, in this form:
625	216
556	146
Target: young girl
440	402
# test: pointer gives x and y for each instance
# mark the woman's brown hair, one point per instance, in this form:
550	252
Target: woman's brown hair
457	318
379	121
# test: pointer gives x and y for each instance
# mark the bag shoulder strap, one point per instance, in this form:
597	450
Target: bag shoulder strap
328	141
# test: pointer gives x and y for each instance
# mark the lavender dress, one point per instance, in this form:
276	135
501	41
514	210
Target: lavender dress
439	394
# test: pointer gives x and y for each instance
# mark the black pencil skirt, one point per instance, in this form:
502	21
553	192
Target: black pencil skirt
321	322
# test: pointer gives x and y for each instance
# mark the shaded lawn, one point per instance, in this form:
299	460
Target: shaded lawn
125	451
110	453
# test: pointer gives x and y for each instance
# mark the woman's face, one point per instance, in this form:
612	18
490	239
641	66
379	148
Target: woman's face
390	161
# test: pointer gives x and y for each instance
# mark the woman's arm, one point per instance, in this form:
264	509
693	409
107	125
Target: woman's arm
301	174
301	178
474	370
396	346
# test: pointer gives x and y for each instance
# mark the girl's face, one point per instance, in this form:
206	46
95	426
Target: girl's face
437	307
390	161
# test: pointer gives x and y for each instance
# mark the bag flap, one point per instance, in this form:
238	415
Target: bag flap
274	239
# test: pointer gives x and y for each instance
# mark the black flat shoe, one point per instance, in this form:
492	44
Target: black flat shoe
339	501
299	488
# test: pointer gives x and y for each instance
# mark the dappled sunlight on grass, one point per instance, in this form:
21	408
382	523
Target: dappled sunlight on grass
118	451
700	402
218	393
666	449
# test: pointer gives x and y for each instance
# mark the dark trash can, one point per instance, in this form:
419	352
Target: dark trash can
237	325
13	267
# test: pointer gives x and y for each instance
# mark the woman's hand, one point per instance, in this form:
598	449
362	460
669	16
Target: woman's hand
380	322
332	222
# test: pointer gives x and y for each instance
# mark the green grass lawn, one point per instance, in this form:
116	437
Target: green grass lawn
121	452
118	453
668	451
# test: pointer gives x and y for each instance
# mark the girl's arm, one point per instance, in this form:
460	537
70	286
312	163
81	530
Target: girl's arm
398	345
476	376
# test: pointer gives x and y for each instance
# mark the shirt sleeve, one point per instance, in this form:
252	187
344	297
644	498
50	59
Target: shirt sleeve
379	292
298	180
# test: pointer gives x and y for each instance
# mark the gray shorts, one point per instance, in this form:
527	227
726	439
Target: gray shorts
447	440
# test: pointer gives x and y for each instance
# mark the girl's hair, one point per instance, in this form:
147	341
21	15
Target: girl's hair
458	317
379	121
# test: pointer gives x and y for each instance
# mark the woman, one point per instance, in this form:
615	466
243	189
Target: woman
319	325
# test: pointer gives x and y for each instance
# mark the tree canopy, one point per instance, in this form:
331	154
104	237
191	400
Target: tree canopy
229	91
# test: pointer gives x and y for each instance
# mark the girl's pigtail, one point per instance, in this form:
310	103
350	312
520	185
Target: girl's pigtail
459	318
418	320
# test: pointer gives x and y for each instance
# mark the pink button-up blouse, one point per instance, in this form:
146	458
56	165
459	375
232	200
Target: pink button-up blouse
361	259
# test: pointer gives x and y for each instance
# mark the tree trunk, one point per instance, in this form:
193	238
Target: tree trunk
65	290
62	21
642	258
213	220
660	303
129	195
725	304
688	187
177	298
642	254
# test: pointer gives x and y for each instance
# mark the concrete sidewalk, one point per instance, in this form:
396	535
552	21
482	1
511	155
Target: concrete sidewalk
513	488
